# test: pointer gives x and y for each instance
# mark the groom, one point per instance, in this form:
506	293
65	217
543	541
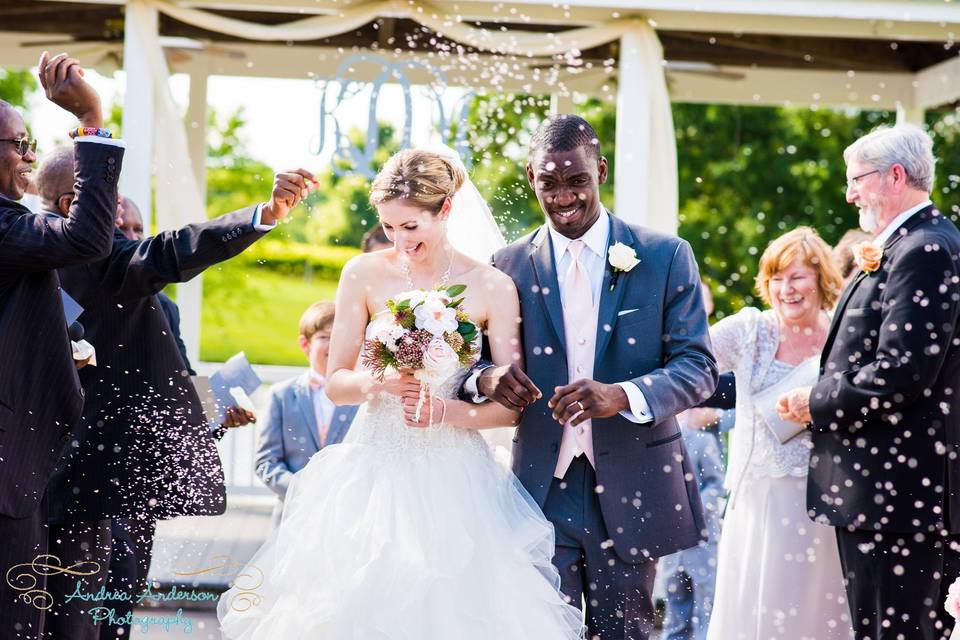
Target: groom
615	334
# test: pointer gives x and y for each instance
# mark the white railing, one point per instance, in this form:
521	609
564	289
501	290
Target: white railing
238	446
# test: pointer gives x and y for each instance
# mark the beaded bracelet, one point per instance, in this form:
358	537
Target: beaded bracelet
90	131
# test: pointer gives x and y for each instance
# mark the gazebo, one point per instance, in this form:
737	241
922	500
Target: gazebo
893	54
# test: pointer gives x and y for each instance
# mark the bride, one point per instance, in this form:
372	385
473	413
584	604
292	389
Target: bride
409	529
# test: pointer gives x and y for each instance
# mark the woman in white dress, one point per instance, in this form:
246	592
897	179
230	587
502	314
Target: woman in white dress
409	530
778	572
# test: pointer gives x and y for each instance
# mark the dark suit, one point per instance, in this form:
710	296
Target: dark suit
40	394
886	429
641	502
142	448
172	312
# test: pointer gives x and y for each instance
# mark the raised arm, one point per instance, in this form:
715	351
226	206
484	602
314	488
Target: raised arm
138	268
30	242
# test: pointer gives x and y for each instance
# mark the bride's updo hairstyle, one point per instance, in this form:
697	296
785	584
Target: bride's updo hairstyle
421	178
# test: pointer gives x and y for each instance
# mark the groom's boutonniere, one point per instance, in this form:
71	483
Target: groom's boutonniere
622	258
867	256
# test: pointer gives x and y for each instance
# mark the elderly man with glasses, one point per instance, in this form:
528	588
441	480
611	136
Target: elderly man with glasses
40	393
885	413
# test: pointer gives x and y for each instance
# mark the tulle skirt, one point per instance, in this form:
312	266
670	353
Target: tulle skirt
415	543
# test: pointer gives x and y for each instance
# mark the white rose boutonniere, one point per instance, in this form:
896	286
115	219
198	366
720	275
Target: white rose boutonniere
622	258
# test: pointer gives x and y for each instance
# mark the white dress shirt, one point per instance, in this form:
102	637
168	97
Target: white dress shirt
897	222
323	406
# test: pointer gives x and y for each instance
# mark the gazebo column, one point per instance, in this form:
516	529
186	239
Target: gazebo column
139	110
912	114
562	103
190	294
645	191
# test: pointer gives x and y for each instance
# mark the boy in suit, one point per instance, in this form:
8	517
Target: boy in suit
300	419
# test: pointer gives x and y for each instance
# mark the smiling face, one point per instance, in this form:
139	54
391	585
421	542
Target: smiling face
415	232
15	170
567	184
795	292
867	190
129	219
317	349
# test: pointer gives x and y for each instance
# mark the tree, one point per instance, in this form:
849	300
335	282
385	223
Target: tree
16	86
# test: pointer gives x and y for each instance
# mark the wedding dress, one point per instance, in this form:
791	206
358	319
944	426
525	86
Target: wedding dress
403	533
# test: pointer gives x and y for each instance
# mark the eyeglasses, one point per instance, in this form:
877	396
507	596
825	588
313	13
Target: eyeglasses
23	145
852	182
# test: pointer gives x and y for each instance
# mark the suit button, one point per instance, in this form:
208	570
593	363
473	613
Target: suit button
111	161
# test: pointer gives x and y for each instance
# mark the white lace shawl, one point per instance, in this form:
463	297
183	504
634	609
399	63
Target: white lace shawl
746	344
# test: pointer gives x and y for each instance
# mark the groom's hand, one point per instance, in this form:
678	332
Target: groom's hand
586	399
290	188
508	385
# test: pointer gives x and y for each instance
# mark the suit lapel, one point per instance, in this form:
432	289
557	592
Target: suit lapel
342	417
838	316
305	402
611	301
920	216
545	268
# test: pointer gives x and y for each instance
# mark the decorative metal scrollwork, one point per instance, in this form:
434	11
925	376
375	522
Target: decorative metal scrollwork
340	89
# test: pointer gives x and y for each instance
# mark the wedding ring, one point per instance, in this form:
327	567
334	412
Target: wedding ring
580	404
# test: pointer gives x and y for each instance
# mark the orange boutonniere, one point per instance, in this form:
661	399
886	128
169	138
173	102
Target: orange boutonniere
867	256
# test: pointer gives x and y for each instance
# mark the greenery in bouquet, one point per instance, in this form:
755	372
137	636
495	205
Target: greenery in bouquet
426	331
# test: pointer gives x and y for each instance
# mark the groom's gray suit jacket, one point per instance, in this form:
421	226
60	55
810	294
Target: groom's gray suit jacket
651	330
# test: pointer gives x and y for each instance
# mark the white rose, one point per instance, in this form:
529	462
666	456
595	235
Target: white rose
435	316
440	362
622	257
388	332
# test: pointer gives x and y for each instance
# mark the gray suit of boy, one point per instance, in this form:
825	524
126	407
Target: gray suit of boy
290	435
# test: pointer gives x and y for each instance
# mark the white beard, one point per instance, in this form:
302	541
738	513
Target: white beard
868	220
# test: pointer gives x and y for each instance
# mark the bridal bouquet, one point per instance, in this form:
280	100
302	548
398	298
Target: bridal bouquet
426	331
952	603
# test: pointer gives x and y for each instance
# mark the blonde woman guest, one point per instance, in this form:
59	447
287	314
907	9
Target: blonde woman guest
778	573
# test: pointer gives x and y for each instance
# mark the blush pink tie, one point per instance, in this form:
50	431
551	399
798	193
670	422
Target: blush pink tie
580	327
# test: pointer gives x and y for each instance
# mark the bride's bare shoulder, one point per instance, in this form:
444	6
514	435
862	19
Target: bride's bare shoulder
367	264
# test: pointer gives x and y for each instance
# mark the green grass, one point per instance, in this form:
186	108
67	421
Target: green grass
256	311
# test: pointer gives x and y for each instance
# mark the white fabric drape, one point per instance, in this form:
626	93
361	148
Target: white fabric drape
178	198
646	191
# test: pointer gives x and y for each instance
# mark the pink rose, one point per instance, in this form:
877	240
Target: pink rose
440	362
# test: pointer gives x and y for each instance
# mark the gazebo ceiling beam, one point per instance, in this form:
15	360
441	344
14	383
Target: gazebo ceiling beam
726	85
795	87
938	85
921	20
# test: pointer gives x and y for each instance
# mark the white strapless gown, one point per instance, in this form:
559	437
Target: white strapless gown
405	534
